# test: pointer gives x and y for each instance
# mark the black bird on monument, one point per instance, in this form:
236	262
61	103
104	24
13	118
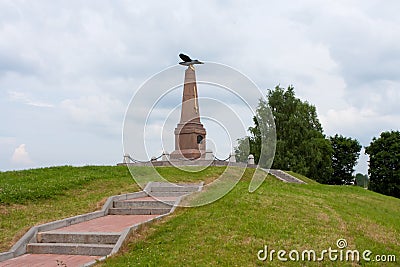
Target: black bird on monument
187	61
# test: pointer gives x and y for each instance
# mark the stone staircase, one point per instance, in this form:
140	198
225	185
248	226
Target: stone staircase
159	189
85	239
142	206
75	248
100	233
284	177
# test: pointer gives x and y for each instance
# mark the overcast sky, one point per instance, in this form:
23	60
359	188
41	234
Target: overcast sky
68	69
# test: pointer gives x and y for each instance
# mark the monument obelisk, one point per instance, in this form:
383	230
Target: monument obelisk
190	135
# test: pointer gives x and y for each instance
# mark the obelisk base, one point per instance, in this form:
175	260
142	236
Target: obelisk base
190	141
185	154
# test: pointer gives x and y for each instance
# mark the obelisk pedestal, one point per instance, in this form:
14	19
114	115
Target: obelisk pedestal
190	135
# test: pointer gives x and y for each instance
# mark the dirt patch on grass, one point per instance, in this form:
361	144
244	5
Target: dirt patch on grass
100	204
378	233
323	217
10	242
6	209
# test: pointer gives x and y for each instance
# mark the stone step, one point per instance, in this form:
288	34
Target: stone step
138	211
187	189
77	237
143	204
69	249
168	194
285	176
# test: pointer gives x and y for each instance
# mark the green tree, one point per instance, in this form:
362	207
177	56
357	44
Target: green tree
362	180
261	142
300	143
345	155
384	163
242	151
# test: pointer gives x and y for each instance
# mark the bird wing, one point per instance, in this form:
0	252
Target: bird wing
185	57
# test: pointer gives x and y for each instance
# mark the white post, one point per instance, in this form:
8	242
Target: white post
126	158
250	159
232	157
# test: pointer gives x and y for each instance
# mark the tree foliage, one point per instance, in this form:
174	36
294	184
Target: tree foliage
300	143
344	158
362	180
261	143
384	163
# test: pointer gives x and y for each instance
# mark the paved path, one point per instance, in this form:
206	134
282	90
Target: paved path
284	177
107	224
42	260
82	243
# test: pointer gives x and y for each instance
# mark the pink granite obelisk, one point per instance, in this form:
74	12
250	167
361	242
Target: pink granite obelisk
190	135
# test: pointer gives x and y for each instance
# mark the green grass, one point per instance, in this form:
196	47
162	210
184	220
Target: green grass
21	187
37	196
228	232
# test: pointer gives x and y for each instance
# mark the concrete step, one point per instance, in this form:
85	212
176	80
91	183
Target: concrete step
285	177
138	211
175	189
168	194
69	249
143	204
78	237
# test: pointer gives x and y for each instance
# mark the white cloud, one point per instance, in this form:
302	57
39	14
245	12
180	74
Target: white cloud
352	121
6	141
21	156
85	61
96	113
92	108
26	99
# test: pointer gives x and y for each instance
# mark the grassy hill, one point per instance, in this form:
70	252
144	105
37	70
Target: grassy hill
228	232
